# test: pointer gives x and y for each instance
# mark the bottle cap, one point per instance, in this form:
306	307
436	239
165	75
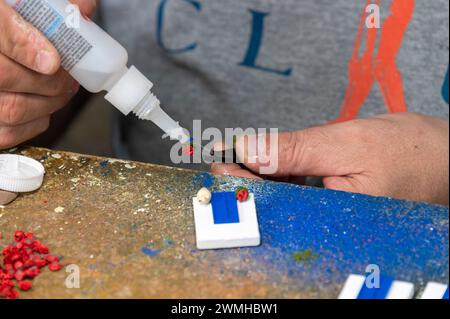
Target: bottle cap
20	174
129	91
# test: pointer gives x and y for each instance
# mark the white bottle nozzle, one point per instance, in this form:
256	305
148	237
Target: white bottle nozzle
132	93
150	109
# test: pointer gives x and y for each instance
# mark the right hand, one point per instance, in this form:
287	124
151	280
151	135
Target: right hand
32	83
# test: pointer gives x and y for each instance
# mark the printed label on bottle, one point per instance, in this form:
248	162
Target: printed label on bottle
71	46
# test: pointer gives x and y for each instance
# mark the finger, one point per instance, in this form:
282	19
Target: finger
338	183
221	147
17	109
11	136
360	184
233	170
318	151
299	180
24	44
17	78
87	7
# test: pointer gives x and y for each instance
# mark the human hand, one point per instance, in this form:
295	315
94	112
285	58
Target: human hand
32	83
403	155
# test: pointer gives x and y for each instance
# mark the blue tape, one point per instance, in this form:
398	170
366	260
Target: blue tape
224	206
376	293
445	294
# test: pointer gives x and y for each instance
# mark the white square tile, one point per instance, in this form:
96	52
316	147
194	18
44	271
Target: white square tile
216	236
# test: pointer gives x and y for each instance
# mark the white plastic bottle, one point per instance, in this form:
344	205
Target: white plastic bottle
96	60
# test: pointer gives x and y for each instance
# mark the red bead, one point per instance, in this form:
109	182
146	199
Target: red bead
242	195
28	264
41	263
18	265
8	283
9	276
19	275
24	285
189	150
18	235
29	235
52	259
12	294
32	272
43	249
5	251
54	267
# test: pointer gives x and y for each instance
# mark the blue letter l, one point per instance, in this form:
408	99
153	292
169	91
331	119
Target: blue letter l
255	45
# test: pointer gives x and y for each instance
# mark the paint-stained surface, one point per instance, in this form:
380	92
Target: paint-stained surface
129	227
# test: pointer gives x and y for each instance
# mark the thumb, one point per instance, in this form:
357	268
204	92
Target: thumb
317	151
24	44
87	7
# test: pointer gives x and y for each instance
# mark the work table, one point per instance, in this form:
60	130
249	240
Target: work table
129	228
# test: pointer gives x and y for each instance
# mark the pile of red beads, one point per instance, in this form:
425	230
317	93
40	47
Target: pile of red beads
23	260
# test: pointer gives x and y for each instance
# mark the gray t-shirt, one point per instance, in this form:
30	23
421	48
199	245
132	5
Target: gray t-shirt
284	64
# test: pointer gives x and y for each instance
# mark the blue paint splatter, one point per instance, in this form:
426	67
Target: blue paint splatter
168	242
407	240
348	232
151	252
106	172
104	163
204	179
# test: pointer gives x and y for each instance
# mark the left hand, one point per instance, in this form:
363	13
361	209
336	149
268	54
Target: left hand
404	155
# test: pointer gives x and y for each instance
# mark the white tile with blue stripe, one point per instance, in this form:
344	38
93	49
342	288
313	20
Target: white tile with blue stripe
356	288
435	290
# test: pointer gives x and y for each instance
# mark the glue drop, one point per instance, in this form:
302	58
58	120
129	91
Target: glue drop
97	61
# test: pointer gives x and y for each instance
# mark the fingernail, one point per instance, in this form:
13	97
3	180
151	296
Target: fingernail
45	61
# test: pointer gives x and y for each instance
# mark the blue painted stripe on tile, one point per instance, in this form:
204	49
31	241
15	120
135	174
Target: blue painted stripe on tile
376	293
224	206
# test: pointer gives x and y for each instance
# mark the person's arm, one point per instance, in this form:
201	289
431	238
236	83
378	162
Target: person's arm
32	83
403	156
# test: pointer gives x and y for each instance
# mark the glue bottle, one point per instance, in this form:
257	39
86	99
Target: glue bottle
97	61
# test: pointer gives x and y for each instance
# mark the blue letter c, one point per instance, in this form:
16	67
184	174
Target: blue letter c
160	25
